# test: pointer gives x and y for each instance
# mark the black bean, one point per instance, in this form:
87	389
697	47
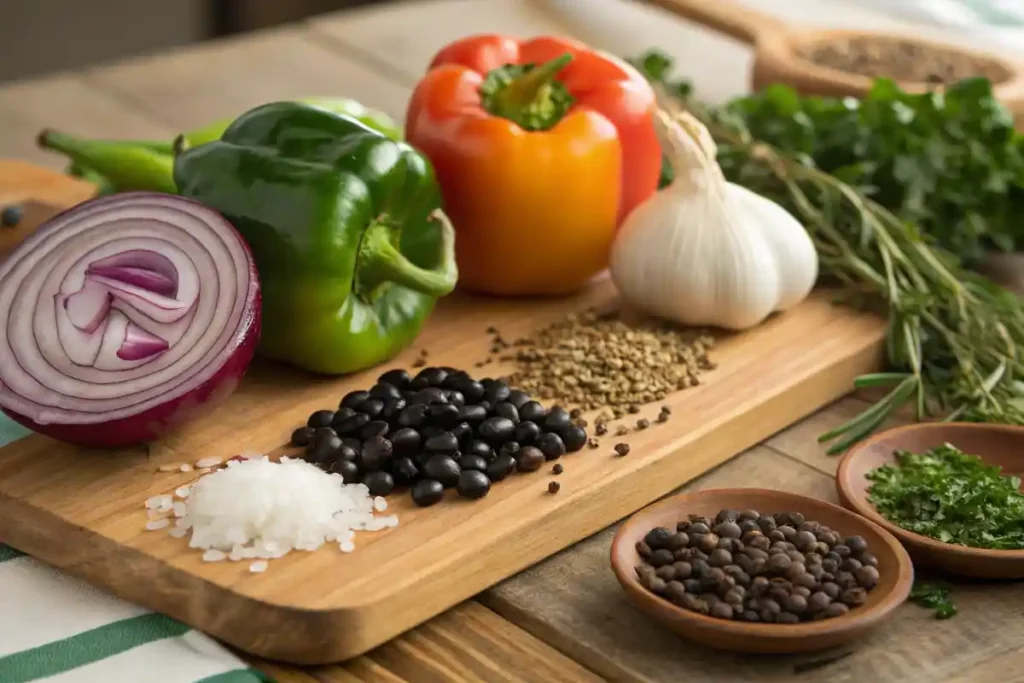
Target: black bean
472	414
698	528
532	412
405	441
374	428
392	407
431	431
529	459
496	429
517	398
853	596
473	462
384	391
728	529
506	409
397	378
574	438
804	540
302	436
495	390
428	396
403	470
502	466
869	559
351	424
867	576
371	406
380	483
551	445
346	452
375	453
434	377
348	470
463	432
324	447
442	468
471	389
427	492
836	609
352	442
481	448
557	420
353	398
321	418
510	448
473	484
856	544
526	433
486	405
843	551
443	414
413	416
341	413
455	397
445	443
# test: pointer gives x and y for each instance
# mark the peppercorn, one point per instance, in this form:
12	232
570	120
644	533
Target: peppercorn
554	487
622	448
11	216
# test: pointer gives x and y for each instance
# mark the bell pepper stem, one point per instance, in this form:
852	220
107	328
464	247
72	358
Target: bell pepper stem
129	166
380	261
527	88
528	95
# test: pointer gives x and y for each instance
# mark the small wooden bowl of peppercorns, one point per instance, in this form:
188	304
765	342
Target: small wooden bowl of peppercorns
760	571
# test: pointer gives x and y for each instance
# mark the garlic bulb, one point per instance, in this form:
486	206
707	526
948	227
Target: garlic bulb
704	251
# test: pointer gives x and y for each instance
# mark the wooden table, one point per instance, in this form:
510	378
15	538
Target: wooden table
564	620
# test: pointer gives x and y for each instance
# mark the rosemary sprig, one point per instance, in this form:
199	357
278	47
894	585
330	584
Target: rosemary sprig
953	335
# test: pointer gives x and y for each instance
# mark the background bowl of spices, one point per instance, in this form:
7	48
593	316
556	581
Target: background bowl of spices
949	491
845	63
760	571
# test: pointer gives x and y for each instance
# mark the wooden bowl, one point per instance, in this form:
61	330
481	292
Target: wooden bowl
1000	445
894	566
778	52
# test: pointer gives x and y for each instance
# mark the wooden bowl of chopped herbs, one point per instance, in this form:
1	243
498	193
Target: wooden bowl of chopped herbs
951	492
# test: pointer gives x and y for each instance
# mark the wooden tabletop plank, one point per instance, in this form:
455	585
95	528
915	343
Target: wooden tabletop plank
194	86
468	643
69	103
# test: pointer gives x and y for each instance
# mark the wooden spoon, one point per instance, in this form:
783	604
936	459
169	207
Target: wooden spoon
779	52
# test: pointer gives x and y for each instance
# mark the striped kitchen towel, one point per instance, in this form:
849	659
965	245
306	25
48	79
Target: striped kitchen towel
59	629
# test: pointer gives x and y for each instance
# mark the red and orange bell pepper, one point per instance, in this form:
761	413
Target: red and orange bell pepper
541	148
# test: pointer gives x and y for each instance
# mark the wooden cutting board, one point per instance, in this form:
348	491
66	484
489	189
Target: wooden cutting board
83	511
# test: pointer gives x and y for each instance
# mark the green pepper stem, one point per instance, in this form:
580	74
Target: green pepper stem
380	261
527	94
128	166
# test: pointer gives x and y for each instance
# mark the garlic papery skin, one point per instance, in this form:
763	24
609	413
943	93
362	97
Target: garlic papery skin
706	252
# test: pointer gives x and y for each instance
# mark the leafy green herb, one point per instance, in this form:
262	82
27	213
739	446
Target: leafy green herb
933	596
952	497
953	335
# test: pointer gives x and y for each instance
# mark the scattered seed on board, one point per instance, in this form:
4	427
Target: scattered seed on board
347	546
178	532
554	487
154	524
593	443
208	462
213	555
183	491
622	448
643	424
185	468
159	502
258	567
557	469
379	504
180	509
621	430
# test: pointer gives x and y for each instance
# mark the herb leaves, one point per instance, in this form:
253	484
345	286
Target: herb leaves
953	335
933	596
952	497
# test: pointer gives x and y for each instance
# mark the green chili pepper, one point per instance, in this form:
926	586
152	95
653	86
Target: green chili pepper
123	165
344	225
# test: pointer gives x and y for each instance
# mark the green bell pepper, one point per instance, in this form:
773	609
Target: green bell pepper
345	227
122	165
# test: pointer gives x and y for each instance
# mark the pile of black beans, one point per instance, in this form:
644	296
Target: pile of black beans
751	566
440	429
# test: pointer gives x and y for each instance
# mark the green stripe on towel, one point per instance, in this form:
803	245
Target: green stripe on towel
86	648
240	676
9	553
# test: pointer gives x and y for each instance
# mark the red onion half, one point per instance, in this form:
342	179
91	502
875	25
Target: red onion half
123	317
